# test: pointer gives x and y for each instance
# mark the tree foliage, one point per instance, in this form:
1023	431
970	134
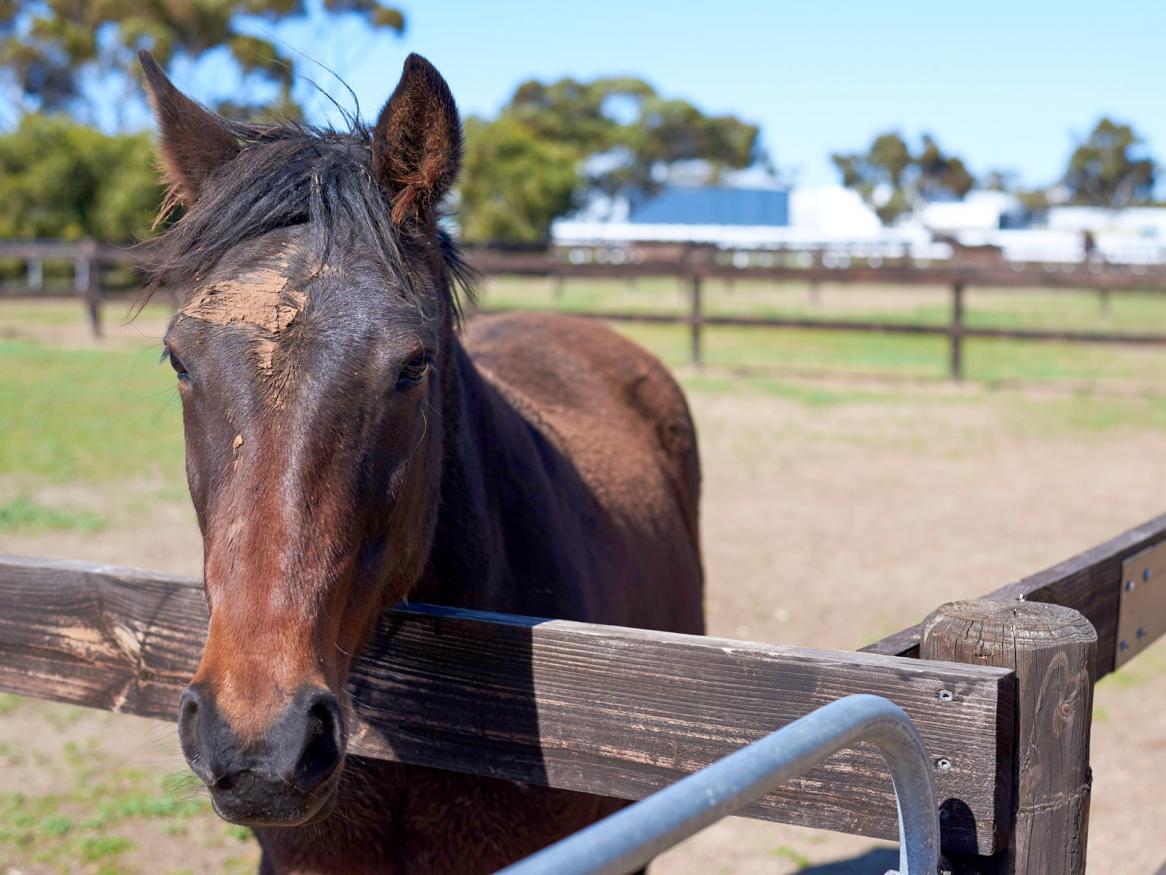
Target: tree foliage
605	137
1110	168
50	49
61	179
894	179
514	183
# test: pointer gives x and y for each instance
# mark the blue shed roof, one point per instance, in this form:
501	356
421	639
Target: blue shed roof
714	205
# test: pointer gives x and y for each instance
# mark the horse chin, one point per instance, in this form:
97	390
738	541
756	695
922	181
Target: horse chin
327	806
295	813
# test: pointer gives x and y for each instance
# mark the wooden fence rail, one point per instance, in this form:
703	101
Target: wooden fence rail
608	710
956	278
89	257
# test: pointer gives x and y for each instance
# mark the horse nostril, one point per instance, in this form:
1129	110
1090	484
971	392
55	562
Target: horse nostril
188	704
193	726
323	742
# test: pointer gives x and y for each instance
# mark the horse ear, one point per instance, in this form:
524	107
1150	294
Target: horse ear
194	141
417	143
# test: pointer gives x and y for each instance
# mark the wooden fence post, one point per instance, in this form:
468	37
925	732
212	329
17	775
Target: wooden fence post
87	282
697	316
557	286
957	330
36	274
1051	649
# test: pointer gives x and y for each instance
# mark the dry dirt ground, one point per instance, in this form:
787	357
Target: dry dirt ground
831	517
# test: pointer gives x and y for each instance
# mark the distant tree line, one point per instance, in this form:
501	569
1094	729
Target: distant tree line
894	178
554	146
63	179
1109	168
53	53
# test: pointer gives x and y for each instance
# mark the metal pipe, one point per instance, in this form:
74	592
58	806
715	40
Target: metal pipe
629	839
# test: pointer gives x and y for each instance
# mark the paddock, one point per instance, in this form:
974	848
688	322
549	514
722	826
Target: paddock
863	611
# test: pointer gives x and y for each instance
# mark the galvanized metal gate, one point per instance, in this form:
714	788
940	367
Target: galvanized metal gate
631	838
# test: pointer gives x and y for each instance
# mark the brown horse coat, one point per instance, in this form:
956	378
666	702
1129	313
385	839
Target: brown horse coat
577	448
347	447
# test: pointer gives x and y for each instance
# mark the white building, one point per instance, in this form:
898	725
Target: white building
836	221
833	219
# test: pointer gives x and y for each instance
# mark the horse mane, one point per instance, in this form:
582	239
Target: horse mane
289	174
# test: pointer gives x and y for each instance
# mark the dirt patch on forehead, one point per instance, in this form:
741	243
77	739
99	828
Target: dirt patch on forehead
263	300
260	298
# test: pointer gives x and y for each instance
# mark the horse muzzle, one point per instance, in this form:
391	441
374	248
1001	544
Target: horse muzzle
286	777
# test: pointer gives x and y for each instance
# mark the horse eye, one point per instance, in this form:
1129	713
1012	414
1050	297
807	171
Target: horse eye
176	363
413	371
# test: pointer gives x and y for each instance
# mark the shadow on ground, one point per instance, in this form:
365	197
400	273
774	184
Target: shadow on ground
876	862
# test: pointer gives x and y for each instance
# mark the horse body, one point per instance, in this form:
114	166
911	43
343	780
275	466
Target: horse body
581	453
347	448
575	448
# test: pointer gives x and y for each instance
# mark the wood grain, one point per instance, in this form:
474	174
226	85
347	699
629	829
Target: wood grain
1050	648
609	710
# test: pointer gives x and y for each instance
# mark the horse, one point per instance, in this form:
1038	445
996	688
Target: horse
351	444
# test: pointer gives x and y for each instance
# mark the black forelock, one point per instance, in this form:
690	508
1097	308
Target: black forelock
287	175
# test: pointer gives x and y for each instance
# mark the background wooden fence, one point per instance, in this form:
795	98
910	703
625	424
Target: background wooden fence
1000	688
697	267
694	268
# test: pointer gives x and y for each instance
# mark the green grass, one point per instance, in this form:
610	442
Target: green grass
836	354
929	305
21	313
103	414
869	354
86	414
22	514
808	395
785	852
64	312
88	823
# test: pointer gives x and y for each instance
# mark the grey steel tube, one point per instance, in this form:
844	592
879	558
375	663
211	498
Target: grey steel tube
629	839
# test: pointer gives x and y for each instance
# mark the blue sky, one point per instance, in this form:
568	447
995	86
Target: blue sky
1007	85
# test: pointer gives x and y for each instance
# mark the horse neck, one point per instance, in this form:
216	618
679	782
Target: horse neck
467	544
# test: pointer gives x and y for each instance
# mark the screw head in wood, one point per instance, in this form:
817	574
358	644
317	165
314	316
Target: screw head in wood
943	764
1141	632
945	695
1145	575
1125	645
1129	585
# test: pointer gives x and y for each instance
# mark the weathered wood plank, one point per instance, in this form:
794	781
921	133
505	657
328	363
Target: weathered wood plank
1088	582
895	273
694	320
1050	648
902	274
621	712
905	642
